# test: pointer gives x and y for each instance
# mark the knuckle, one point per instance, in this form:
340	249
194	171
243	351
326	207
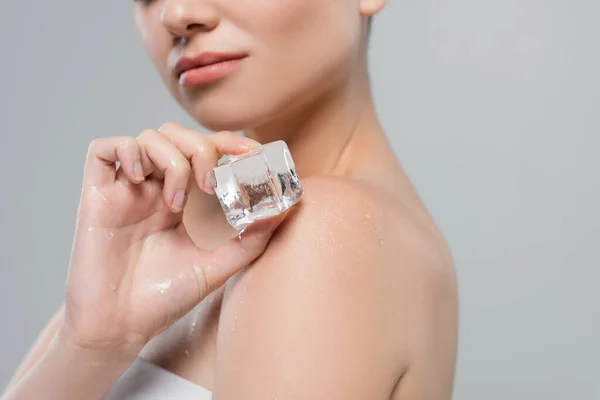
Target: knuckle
201	148
179	168
202	280
227	135
202	143
182	167
145	135
205	147
126	143
94	144
170	125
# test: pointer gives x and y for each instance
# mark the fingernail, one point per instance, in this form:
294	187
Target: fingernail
208	183
249	143
138	171
178	200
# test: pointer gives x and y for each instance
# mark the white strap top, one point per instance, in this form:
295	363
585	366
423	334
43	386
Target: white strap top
147	381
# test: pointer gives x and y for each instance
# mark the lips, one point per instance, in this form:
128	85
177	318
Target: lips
205	59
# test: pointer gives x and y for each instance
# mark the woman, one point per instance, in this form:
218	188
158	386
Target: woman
351	296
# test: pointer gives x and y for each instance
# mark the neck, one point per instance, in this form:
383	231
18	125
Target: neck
337	134
322	133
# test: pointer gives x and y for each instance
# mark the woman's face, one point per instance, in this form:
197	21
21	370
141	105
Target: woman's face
288	52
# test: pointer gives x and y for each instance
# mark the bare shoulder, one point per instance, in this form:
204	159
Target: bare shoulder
345	217
333	308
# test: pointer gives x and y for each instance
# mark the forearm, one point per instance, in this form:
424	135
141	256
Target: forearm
70	372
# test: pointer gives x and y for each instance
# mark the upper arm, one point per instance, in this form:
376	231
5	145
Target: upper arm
308	319
38	349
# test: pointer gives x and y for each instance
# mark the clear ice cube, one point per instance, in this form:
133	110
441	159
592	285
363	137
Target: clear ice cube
257	185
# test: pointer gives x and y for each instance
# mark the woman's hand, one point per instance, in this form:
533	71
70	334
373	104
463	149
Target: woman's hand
134	270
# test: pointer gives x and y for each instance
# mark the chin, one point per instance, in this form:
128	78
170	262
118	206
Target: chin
223	119
222	112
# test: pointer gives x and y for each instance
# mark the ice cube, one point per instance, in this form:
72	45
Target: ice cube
257	185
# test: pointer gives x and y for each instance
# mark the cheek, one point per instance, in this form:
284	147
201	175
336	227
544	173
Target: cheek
296	47
300	42
302	33
279	17
156	39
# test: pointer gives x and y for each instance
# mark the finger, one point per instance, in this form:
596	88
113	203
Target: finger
204	151
144	169
218	265
169	161
103	155
195	147
230	143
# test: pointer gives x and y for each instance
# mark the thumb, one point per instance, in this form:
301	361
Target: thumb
220	264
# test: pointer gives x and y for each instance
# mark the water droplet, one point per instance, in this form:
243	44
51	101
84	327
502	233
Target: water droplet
192	328
242	231
237	314
97	193
161	286
187	353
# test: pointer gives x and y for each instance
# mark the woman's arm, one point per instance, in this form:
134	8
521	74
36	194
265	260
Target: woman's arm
134	270
344	302
38	349
308	319
68	371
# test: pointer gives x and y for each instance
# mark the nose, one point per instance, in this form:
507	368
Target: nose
182	18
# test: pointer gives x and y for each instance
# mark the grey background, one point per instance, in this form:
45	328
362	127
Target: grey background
492	107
